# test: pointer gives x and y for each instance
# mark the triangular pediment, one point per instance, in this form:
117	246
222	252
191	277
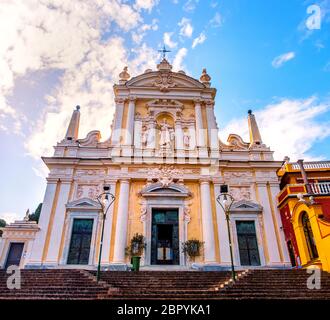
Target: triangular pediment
158	189
245	205
83	203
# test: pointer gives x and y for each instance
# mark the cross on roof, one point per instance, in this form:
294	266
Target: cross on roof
164	51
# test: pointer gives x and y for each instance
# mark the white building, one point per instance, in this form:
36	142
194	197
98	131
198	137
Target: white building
164	163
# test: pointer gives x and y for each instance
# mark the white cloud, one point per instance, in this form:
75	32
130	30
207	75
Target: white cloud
10	217
59	35
283	58
216	21
139	34
168	41
190	5
186	27
288	127
199	40
145	4
178	59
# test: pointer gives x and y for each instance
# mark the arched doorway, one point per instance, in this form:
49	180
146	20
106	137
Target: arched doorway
309	237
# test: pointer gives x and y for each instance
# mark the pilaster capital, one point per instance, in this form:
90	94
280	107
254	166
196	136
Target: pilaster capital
204	181
119	100
209	103
197	101
125	180
132	98
52	180
262	184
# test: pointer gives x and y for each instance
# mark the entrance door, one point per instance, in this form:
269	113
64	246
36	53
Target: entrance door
247	243
14	254
80	241
165	236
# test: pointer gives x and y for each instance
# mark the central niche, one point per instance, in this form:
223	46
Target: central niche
165	139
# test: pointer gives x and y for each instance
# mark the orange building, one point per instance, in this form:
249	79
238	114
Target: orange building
304	204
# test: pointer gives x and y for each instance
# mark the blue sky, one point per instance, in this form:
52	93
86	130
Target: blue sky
55	54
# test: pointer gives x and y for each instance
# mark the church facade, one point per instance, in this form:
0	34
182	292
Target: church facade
164	163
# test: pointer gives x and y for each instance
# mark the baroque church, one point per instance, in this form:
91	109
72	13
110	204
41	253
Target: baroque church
164	164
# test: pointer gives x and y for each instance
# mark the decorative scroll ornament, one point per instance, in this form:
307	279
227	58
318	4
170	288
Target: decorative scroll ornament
165	175
164	82
143	211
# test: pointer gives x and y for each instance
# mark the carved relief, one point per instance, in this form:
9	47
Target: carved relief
240	193
165	175
238	177
164	82
88	191
186	211
90	173
143	211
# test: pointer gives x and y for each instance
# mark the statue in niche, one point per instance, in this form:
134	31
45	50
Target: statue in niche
186	139
166	135
144	137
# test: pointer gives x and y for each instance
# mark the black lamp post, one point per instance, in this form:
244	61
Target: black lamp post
105	199
226	204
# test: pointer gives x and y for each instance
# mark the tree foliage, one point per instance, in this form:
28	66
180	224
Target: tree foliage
36	214
2	224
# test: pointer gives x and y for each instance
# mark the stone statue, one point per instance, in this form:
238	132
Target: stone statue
144	136
186	139
166	135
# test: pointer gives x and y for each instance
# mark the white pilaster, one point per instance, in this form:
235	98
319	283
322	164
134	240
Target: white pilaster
200	134
35	258
179	138
128	141
207	222
273	251
137	137
212	129
122	221
199	124
105	258
117	124
151	143
222	230
58	224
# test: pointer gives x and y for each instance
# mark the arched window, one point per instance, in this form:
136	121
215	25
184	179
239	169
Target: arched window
309	237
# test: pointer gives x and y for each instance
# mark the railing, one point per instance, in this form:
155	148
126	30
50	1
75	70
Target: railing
293	189
312	165
320	188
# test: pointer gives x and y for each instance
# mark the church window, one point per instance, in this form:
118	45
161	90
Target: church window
309	237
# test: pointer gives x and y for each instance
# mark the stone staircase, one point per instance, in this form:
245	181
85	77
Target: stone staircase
164	285
56	284
71	284
277	284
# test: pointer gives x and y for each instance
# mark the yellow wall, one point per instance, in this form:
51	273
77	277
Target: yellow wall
194	226
321	232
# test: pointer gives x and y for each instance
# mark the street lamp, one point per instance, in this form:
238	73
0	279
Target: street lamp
226	200
105	199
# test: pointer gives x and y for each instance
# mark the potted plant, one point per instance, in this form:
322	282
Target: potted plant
135	250
192	248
